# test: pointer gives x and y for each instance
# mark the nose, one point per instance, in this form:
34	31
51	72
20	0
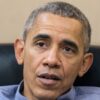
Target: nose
52	59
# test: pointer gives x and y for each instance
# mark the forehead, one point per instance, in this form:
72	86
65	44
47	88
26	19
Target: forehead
58	23
51	23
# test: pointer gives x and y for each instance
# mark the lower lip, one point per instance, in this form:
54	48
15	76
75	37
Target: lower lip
48	82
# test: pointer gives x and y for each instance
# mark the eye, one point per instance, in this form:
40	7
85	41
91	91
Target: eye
68	50
41	44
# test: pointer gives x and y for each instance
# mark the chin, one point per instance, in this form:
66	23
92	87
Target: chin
46	95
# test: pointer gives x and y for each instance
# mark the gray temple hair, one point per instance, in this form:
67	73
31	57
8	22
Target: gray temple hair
65	10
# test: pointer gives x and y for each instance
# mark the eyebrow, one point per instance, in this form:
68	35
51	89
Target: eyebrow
41	36
70	43
65	42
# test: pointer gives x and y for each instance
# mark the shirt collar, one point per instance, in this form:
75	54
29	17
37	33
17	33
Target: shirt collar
19	96
69	95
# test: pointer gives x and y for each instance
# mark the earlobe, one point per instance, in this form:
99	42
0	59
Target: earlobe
19	50
87	62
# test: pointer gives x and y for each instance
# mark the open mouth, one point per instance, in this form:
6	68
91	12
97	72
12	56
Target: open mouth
49	77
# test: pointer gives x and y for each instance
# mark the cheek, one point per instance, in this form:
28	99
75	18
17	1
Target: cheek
32	61
29	64
72	67
73	64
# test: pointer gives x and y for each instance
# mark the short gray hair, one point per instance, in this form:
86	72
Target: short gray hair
65	10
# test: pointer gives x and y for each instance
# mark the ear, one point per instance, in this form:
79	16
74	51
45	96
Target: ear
87	62
19	50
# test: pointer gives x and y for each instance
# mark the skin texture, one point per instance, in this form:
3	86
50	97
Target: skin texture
53	56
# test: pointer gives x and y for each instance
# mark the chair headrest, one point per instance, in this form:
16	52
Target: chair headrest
10	71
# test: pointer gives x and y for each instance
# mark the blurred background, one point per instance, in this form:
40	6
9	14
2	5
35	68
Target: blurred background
13	14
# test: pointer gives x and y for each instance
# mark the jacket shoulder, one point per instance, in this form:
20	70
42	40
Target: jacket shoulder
8	92
87	93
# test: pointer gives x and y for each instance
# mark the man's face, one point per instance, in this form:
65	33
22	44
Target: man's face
52	55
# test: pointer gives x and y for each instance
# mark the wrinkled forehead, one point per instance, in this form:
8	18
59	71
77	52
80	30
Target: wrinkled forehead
58	22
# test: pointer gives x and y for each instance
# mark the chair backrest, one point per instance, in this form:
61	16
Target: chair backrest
12	73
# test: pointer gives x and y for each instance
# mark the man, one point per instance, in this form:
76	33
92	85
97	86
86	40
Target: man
53	51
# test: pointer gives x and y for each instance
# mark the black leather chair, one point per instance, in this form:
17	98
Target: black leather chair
12	73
